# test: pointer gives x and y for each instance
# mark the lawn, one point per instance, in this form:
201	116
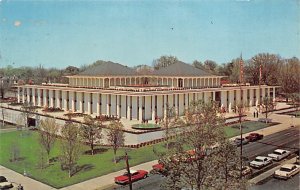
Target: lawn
247	126
294	113
91	166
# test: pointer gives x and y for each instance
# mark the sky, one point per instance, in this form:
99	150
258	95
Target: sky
62	33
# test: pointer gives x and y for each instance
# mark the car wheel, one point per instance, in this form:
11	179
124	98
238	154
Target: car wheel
145	176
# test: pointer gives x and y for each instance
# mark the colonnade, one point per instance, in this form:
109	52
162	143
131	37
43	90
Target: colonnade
139	107
185	82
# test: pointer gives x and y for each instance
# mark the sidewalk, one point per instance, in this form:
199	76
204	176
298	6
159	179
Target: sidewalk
28	183
107	180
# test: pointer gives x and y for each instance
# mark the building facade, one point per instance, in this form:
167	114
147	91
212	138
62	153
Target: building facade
116	90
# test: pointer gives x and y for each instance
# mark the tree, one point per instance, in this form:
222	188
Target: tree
5	85
289	76
167	122
210	66
91	131
268	106
43	160
295	100
115	136
164	61
14	151
198	64
70	146
197	170
48	131
28	110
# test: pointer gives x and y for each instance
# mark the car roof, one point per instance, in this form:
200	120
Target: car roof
289	166
261	157
279	150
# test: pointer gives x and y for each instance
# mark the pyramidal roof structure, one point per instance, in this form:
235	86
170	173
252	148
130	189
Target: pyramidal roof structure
108	68
181	69
177	69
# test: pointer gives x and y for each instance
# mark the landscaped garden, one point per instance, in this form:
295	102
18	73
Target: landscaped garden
26	143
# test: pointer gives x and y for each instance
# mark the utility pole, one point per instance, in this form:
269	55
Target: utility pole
128	171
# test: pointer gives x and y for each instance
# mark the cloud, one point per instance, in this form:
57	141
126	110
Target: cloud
17	23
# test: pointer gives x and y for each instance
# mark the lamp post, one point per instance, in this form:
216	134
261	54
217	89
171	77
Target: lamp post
128	170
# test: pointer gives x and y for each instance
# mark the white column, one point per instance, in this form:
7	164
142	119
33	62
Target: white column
51	98
57	98
263	92
141	108
96	104
79	99
23	94
108	102
118	106
153	108
18	94
224	99
214	96
128	108
251	97
186	100
257	97
33	96
72	101
28	94
45	97
231	100
39	97
238	96
176	104
165	105
88	98
64	100
245	97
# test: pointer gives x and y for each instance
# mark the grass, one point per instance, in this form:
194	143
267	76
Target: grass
247	126
91	166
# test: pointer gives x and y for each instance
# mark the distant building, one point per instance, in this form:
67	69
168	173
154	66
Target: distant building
116	90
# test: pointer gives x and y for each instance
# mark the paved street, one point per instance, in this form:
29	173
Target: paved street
275	184
286	138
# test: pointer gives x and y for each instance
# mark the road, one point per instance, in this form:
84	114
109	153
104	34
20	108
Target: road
272	184
287	139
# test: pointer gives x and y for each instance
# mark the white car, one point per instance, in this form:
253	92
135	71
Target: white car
261	161
279	154
286	171
5	185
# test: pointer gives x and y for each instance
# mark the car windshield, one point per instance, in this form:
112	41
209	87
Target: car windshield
258	160
285	169
277	153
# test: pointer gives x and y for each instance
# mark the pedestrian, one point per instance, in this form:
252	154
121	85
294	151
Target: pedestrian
257	114
20	187
254	114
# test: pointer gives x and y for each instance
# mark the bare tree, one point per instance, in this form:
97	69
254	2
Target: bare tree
2	114
196	168
268	106
164	61
115	136
43	160
14	151
28	110
91	131
48	131
70	146
167	123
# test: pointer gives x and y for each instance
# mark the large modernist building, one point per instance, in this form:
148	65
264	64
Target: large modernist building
116	90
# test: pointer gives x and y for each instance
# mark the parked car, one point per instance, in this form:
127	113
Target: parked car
4	184
254	137
238	141
279	154
135	176
260	161
287	171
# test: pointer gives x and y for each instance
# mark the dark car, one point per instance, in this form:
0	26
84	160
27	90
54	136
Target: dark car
135	176
254	137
